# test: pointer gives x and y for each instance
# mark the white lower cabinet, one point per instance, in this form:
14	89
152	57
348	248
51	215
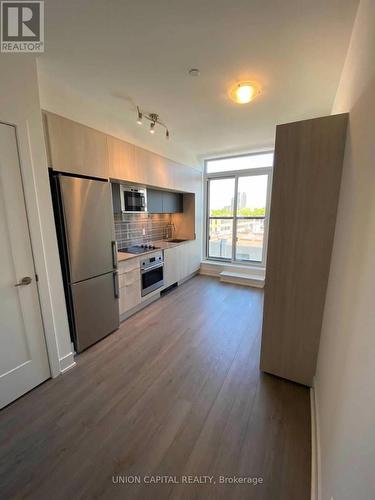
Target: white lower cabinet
180	262
172	265
129	284
186	260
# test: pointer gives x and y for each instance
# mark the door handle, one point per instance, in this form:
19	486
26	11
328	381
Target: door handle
24	281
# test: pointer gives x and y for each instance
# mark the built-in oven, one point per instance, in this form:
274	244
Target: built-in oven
152	272
133	199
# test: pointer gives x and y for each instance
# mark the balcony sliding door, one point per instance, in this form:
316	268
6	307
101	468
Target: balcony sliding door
237	215
221	212
250	217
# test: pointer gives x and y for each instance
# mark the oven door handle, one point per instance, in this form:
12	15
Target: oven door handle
145	270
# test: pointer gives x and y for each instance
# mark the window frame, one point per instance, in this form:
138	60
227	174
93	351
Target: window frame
235	174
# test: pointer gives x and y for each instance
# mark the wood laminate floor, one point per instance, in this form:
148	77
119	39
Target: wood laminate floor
176	392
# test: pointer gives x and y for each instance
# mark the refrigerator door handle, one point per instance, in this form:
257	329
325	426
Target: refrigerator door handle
114	254
116	285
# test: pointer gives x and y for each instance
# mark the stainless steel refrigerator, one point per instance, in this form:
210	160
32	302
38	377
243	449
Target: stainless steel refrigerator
88	255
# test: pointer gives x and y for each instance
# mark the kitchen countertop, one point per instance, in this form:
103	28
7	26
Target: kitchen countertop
162	245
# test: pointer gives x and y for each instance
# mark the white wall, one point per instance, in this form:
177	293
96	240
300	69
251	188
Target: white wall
19	106
345	379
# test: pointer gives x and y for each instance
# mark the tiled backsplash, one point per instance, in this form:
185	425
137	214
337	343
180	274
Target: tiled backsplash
129	228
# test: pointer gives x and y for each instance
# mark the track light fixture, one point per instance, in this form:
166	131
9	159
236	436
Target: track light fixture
140	116
153	118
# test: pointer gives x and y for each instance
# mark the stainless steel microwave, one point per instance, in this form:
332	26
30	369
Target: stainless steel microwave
133	199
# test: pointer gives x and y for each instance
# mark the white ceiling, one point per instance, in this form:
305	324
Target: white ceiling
120	53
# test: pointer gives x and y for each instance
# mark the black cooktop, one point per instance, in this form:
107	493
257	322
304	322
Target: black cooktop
139	248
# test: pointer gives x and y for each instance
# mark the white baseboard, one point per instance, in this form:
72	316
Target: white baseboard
315	446
67	362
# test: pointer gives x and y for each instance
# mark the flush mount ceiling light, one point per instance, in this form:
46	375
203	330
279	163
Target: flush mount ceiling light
153	118
244	92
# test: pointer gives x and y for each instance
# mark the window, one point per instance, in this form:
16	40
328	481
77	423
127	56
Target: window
237	207
244	162
221	210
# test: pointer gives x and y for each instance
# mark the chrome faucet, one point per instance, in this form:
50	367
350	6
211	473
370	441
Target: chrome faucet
169	230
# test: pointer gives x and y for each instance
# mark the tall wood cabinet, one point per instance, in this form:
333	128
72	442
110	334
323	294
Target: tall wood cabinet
305	192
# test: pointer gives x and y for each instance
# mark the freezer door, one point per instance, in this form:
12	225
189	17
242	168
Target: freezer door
96	309
89	227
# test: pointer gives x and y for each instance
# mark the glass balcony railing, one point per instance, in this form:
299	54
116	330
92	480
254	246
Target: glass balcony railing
249	241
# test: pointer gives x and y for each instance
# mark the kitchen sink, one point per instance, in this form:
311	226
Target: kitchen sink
176	241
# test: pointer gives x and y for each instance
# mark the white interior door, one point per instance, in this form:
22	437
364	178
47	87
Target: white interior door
23	355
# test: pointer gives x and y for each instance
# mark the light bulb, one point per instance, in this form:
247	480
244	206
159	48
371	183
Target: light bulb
244	92
152	128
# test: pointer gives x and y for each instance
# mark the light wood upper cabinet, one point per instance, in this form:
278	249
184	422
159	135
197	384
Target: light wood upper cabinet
122	164
131	163
75	148
153	169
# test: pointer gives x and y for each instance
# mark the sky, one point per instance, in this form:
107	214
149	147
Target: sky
222	191
255	187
